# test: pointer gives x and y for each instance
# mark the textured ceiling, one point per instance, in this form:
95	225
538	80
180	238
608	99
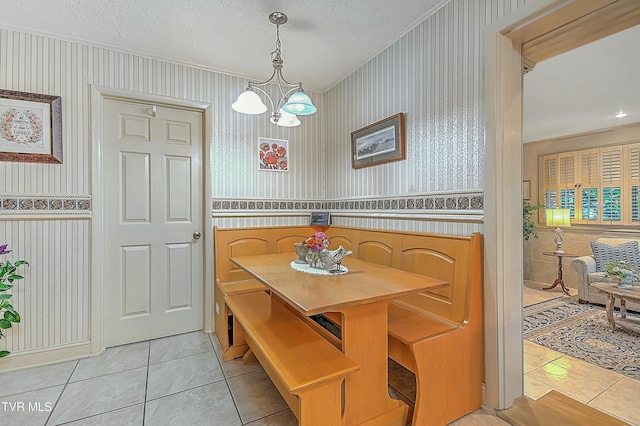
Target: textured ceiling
323	42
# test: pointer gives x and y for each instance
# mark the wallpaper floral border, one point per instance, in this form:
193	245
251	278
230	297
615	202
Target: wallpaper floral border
44	205
470	203
467	203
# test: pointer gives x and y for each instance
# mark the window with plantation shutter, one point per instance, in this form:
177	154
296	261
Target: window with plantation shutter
550	181
598	185
589	184
611	173
567	182
633	181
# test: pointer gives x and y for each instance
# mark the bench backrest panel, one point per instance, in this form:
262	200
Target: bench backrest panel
285	238
439	256
380	248
235	242
345	237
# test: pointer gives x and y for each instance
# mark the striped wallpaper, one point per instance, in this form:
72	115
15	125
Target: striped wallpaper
433	74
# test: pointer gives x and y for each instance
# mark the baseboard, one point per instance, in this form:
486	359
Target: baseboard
45	356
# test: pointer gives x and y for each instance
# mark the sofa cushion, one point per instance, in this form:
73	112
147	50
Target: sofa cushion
627	252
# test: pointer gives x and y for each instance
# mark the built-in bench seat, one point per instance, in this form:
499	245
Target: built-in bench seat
437	335
306	369
232	280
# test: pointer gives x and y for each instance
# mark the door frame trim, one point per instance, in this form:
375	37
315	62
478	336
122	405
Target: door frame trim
98	95
504	365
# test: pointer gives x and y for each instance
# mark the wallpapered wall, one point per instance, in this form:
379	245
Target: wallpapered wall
433	74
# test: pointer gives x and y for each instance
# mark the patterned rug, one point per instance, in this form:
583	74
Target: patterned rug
582	331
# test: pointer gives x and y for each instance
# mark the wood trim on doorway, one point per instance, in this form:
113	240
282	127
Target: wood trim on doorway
548	28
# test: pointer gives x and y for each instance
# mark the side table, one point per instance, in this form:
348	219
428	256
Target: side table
559	280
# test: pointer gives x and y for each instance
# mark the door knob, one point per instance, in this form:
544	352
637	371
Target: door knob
196	235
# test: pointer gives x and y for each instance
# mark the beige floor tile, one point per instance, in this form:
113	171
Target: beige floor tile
540	351
621	400
535	389
570	383
531	362
255	396
589	370
479	418
532	296
283	418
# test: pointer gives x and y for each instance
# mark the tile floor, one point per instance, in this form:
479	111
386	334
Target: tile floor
546	369
180	380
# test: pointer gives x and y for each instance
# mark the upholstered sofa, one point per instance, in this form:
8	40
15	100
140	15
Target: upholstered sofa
588	273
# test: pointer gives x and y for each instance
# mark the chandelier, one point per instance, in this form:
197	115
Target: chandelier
292	102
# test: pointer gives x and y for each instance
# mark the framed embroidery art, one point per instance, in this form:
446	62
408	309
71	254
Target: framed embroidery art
30	127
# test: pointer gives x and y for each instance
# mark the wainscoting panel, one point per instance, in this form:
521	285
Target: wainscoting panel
53	297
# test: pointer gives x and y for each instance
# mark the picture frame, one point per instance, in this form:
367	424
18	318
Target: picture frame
320	219
526	190
273	155
30	127
379	143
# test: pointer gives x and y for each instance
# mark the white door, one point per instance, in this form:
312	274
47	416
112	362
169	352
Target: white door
153	284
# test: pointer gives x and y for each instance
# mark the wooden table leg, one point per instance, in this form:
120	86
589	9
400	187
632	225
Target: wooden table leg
610	303
559	280
364	340
623	308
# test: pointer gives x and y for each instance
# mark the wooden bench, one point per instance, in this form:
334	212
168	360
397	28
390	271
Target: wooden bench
232	280
436	335
306	369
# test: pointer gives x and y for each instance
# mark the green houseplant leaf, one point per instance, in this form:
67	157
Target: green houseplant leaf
528	225
8	274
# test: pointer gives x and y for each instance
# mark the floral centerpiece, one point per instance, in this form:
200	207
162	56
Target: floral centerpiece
623	272
8	274
316	244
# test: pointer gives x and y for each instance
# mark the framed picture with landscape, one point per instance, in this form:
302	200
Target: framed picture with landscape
378	143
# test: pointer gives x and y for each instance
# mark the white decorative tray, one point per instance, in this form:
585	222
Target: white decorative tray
305	267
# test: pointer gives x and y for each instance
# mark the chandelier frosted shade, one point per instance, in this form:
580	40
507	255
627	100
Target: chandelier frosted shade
300	104
286	119
292	101
249	102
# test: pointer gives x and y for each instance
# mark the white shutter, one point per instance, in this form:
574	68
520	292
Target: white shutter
550	181
567	182
611	173
633	181
589	184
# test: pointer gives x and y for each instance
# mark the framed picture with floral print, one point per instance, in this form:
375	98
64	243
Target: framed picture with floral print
273	155
30	127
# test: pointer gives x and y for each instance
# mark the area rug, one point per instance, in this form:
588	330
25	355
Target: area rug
582	331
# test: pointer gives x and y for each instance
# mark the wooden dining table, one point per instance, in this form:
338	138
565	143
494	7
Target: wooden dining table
362	297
